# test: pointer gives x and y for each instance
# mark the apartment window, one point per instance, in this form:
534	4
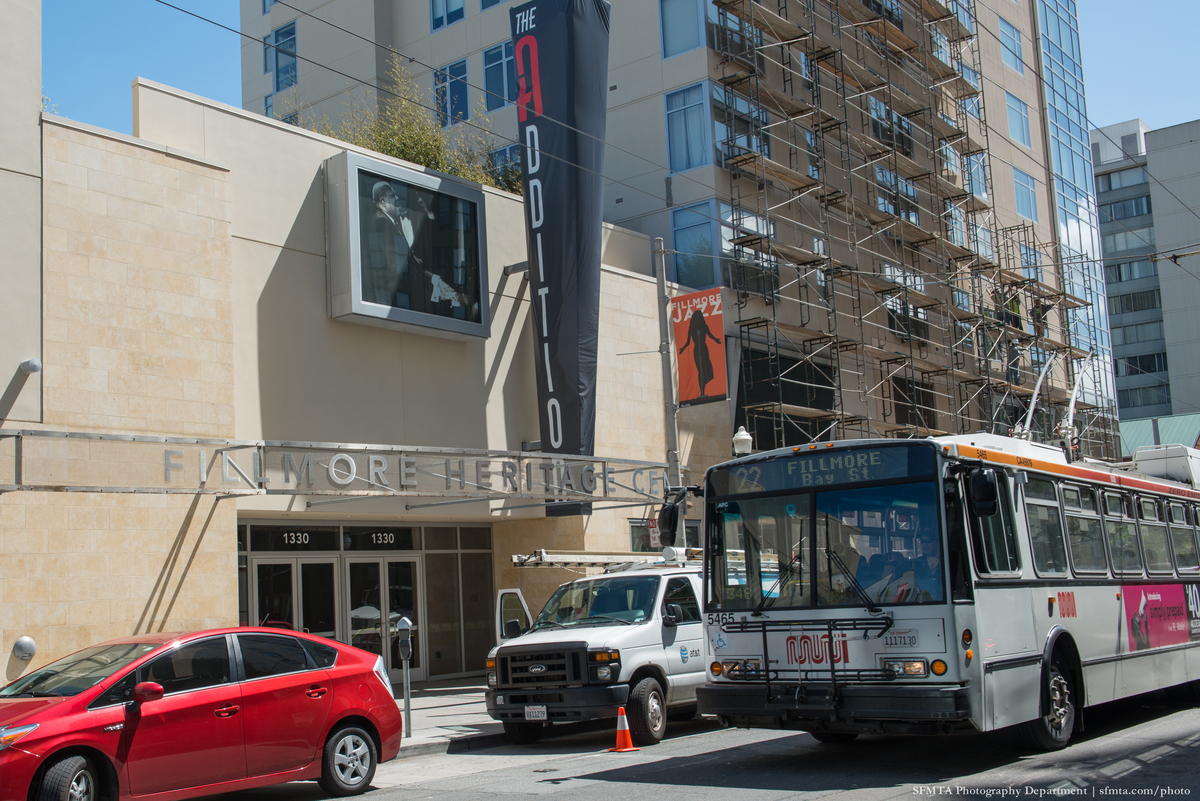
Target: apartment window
962	10
1010	43
450	93
1121	179
904	318
446	12
897	195
1134	302
499	76
279	56
1144	396
266	6
687	140
1130	271
692	233
1144	364
889	127
956	225
972	107
951	161
1124	209
269	106
940	46
1018	120
506	159
1031	262
484	5
1128	240
977	174
981	237
1026	191
739	125
915	403
681	26
1133	334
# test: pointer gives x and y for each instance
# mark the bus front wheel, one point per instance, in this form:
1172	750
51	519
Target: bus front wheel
1052	731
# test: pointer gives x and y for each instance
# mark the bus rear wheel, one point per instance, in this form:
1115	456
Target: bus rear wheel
1052	731
834	737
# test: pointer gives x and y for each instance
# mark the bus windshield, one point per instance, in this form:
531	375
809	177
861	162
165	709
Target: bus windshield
793	549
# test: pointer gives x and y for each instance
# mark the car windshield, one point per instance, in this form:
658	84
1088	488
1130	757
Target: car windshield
601	601
73	674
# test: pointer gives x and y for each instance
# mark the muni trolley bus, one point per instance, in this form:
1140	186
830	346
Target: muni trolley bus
947	584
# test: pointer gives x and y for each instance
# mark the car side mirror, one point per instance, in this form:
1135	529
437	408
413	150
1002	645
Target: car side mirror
147	691
674	615
983	486
668	523
512	629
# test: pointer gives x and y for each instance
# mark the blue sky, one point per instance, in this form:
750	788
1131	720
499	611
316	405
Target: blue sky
1134	64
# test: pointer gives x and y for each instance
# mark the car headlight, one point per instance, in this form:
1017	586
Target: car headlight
10	735
604	673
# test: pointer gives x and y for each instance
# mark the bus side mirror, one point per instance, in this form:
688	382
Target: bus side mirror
512	629
983	490
668	523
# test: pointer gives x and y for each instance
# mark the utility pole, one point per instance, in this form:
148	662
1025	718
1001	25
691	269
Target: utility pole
674	472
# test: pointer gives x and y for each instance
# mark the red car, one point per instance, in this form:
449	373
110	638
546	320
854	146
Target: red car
182	715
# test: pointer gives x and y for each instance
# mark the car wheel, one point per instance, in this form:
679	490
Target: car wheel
682	713
647	713
349	762
522	733
71	779
834	737
1052	731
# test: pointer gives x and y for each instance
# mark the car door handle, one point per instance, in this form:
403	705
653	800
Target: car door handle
227	711
315	692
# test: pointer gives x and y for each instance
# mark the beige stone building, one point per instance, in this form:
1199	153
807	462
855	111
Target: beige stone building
177	288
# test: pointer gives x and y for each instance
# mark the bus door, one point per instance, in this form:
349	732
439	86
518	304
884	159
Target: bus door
1005	638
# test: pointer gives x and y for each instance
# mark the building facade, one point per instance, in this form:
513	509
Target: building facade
896	194
1148	191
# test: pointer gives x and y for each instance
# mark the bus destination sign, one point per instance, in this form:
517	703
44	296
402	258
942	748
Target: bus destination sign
821	469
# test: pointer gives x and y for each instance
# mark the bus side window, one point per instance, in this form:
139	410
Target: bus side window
1154	536
1183	540
1122	536
995	544
1045	526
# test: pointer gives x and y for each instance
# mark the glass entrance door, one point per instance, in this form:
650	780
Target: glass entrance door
298	593
380	591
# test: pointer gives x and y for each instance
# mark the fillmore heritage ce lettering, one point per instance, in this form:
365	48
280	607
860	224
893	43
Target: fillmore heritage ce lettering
561	53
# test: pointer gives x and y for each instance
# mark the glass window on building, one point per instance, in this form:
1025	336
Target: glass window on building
279	56
1121	179
450	93
1025	188
499	76
681	29
1018	120
687	124
692	233
640	540
977	174
446	12
1010	43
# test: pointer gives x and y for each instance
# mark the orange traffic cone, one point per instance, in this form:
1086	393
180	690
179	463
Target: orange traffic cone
624	742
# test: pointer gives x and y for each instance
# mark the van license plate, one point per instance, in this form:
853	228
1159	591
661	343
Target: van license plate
535	712
902	638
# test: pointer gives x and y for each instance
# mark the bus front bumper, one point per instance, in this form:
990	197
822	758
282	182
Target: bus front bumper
880	708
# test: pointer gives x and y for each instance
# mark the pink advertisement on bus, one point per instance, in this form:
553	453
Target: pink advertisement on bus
1156	615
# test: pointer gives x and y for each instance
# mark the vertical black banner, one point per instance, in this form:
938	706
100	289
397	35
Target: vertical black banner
561	49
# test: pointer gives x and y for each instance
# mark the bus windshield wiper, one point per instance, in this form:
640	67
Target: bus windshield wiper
858	588
783	574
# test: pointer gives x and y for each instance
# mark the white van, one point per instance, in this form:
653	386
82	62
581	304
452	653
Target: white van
630	638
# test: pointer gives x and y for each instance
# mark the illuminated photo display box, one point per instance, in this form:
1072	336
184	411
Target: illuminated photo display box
407	249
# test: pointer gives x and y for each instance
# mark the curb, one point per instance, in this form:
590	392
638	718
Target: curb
453	745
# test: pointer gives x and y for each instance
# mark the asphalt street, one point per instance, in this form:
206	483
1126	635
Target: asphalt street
1143	746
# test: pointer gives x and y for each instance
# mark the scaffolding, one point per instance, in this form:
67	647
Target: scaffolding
876	292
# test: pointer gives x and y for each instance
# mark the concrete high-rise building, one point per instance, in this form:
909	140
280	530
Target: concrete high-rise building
1148	193
896	194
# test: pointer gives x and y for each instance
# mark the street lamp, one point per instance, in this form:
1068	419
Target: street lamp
743	443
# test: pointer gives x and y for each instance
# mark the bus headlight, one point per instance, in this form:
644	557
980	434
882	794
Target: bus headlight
743	669
905	668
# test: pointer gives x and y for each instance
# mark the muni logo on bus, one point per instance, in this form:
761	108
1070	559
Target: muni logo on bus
813	648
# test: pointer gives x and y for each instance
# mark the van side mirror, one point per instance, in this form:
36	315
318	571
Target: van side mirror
668	523
674	615
983	488
512	629
147	691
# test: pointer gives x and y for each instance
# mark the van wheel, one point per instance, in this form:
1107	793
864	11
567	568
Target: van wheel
681	713
1052	731
348	762
647	713
834	737
522	733
70	779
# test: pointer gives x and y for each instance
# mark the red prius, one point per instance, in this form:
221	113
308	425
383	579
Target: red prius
182	715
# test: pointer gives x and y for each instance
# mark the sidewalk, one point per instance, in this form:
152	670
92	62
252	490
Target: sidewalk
448	715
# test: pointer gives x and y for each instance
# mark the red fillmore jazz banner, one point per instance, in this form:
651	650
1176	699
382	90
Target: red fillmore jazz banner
700	342
561	53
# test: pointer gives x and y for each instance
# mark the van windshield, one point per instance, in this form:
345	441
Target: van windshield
73	674
600	601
